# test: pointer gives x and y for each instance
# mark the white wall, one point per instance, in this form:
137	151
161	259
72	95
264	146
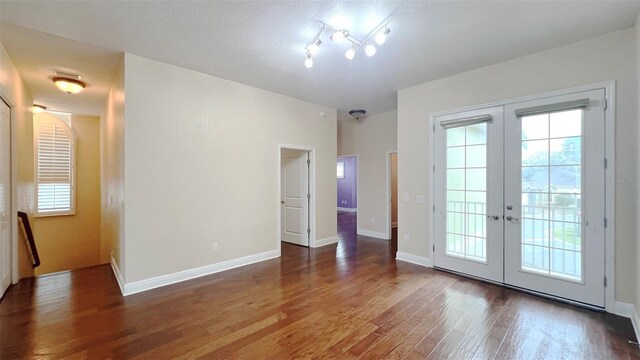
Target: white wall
609	57
370	138
112	173
637	177
13	90
201	165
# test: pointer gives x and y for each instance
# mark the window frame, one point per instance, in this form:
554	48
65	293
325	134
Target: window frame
37	120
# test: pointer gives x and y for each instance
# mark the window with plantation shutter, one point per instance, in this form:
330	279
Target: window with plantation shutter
54	147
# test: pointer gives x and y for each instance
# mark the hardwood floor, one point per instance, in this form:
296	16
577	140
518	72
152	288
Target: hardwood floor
342	302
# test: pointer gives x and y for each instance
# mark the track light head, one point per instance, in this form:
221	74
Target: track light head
340	35
351	53
381	36
314	47
308	62
370	50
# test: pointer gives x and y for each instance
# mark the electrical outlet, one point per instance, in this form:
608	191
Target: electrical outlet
406	238
215	247
420	199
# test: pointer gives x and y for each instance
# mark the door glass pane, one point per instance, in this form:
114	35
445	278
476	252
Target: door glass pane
551	223
467	192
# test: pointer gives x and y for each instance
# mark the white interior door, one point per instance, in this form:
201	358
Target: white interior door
5	196
555	196
469	193
295	198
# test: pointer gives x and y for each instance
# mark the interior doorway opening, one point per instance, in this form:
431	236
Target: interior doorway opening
392	194
295	208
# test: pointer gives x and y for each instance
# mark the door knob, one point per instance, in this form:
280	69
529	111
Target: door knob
512	219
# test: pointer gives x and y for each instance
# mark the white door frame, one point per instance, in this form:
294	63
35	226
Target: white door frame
388	196
610	116
15	275
312	186
357	174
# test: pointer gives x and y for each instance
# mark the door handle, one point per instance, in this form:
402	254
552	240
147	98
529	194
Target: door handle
281	201
493	217
513	219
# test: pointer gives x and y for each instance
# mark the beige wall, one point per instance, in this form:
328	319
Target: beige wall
112	173
370	138
73	241
201	165
13	89
609	57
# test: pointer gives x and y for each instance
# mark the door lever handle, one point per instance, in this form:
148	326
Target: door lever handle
281	201
493	217
512	219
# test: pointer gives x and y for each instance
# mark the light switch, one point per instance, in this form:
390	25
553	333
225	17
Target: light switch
420	199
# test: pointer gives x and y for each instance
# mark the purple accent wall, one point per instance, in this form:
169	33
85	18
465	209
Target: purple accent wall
347	191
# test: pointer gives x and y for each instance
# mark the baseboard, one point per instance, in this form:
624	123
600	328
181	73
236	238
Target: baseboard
348	209
374	234
628	311
414	259
326	241
117	274
163	280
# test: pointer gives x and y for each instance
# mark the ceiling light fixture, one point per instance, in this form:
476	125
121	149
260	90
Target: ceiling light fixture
38	109
370	50
68	83
309	61
379	34
351	53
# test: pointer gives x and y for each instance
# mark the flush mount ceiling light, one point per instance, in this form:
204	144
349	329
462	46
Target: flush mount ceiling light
379	34
37	109
358	114
71	84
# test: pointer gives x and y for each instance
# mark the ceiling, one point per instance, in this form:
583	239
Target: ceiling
262	43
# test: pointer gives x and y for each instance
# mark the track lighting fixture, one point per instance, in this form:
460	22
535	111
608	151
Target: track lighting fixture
309	61
370	50
379	34
351	52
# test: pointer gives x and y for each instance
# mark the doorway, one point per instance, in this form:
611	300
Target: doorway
295	196
520	195
392	194
6	212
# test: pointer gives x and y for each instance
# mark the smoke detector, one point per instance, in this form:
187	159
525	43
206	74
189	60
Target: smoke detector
357	114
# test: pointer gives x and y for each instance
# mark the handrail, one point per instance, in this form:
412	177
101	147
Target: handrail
28	234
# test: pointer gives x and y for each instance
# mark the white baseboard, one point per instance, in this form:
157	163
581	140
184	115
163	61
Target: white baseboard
628	311
348	209
414	259
118	274
326	241
374	234
163	280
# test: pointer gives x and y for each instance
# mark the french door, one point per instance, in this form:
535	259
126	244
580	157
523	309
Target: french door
533	210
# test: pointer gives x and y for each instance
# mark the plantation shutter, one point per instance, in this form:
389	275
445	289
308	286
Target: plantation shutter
54	167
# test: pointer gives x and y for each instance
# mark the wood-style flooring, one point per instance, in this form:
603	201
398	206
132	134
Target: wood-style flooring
345	301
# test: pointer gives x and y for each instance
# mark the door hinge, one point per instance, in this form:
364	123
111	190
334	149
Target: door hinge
434	248
308	196
434	208
434	127
434	168
308	162
308	231
605	163
606	104
605	222
605	281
